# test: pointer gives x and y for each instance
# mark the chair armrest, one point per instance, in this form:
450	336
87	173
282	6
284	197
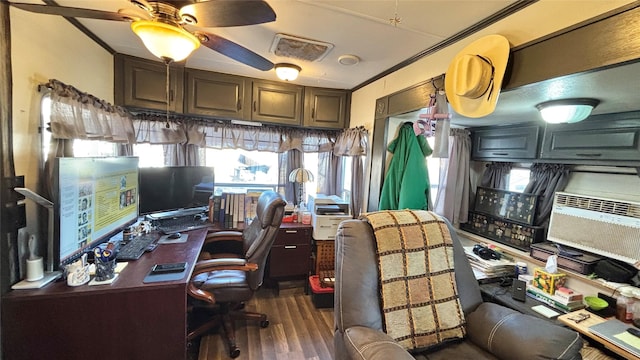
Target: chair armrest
216	265
366	343
509	334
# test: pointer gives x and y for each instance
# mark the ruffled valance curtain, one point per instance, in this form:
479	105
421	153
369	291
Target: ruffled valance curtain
352	142
78	115
216	134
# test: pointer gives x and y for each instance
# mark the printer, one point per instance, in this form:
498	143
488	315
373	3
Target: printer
327	212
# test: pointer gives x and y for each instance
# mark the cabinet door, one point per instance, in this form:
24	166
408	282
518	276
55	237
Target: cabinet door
277	103
293	236
325	108
602	137
289	260
141	83
214	94
518	142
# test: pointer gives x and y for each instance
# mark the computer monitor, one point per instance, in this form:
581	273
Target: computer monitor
175	187
96	198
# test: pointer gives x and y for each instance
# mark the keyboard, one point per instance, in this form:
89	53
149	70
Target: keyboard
181	226
170	226
134	249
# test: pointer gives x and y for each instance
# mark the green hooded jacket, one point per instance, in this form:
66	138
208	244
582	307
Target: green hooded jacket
406	185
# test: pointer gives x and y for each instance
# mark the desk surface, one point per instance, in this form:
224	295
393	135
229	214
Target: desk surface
583	328
126	319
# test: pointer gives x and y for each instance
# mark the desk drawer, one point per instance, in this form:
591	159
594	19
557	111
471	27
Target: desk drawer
292	236
289	260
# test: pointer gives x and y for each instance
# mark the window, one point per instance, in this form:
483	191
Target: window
239	170
518	179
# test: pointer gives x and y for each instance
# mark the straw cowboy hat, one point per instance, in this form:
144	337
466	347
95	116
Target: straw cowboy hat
474	77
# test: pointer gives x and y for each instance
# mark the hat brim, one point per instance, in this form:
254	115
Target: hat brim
493	47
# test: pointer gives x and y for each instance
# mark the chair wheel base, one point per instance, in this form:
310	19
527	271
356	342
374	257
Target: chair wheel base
234	352
264	323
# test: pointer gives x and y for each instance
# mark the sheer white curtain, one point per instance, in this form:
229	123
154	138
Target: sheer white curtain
78	115
452	200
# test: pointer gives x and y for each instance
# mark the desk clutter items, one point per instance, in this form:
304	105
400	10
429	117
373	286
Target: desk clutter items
492	267
78	272
104	257
618	333
505	217
584	263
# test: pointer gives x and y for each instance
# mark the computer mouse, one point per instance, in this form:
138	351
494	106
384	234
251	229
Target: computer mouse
174	236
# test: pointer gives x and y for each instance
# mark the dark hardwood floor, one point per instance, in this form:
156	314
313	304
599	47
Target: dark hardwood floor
297	330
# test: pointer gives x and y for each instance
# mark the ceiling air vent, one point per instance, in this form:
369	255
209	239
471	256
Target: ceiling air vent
300	48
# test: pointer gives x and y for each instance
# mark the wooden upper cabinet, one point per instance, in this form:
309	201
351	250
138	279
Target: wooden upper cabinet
602	137
325	108
141	83
215	94
509	142
277	103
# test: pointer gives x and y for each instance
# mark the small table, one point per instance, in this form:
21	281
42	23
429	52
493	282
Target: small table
583	328
495	293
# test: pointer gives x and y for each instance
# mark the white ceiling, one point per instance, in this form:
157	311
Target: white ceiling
363	28
355	27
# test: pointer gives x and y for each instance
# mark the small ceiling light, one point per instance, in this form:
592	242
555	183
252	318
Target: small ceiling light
167	42
287	72
566	110
348	60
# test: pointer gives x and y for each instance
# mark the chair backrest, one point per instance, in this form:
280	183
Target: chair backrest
260	235
356	288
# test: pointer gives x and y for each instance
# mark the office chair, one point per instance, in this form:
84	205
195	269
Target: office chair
226	282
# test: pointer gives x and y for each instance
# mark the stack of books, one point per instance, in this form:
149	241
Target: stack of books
229	209
560	301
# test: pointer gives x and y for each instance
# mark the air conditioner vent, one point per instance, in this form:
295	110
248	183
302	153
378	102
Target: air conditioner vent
600	205
606	227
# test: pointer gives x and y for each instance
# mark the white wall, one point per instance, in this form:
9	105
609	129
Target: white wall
537	20
47	47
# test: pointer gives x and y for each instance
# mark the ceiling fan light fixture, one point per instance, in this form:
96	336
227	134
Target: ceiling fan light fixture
566	110
165	41
287	72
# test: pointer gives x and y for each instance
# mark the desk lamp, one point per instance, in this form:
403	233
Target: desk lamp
300	176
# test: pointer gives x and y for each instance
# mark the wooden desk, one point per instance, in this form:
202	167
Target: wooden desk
583	328
125	320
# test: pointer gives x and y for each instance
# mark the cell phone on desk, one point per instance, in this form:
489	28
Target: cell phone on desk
168	268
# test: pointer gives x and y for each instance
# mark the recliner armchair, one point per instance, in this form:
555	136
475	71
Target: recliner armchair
228	280
493	331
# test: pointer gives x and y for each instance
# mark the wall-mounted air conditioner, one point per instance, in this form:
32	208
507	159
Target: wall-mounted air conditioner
601	226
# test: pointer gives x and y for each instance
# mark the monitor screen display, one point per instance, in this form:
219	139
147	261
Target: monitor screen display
96	198
175	187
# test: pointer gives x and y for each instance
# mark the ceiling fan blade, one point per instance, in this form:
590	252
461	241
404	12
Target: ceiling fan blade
236	52
71	12
222	13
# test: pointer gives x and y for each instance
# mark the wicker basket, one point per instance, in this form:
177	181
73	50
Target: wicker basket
325	262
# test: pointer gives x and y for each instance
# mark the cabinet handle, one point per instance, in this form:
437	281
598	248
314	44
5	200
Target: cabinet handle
588	155
239	104
500	153
291	231
290	247
254	106
170	95
313	113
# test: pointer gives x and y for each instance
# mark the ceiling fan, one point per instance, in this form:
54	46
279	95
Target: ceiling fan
171	29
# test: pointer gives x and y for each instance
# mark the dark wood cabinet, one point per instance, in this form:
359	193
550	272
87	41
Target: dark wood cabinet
513	142
325	108
291	252
277	103
141	83
215	94
603	137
